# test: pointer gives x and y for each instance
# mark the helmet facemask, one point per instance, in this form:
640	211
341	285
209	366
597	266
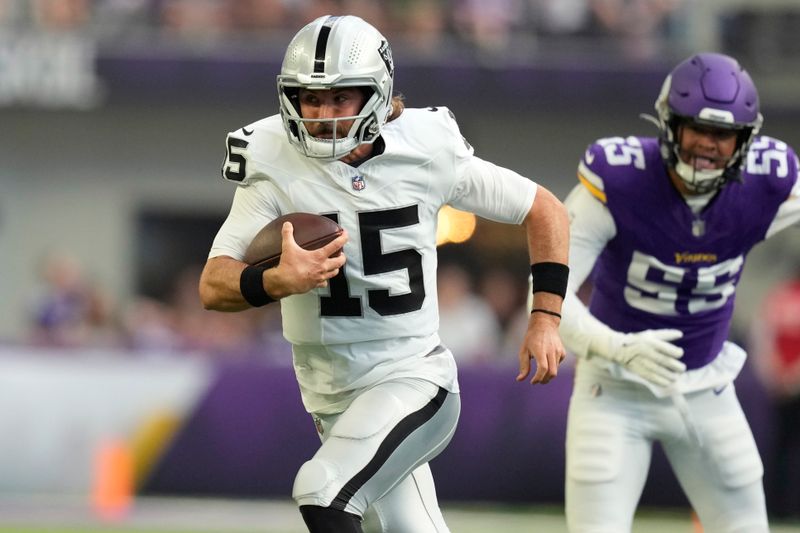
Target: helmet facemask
705	180
364	128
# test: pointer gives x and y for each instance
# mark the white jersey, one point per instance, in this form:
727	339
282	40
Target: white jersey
379	317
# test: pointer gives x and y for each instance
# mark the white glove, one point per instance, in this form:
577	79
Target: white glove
648	353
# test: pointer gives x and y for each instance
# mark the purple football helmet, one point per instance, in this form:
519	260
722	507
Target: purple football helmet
711	90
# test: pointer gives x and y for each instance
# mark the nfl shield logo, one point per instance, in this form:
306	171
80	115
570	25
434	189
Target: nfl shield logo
359	183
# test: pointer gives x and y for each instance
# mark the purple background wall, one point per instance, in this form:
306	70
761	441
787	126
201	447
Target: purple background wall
250	434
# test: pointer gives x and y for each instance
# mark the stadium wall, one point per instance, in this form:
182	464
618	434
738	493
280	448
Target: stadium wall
196	427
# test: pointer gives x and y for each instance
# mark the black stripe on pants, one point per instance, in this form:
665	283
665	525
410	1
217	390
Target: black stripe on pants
392	441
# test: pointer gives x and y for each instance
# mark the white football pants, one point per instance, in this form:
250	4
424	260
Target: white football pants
611	427
375	455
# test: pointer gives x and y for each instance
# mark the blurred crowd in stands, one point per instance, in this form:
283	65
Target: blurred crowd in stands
70	311
483	318
483	26
775	350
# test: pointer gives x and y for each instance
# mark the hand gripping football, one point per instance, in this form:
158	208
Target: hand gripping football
310	232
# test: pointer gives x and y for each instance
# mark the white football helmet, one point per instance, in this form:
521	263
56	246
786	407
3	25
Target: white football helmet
333	52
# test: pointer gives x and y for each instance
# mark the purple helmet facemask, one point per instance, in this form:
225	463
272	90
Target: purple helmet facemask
710	90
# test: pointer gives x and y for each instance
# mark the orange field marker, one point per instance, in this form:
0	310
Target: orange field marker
113	483
697	526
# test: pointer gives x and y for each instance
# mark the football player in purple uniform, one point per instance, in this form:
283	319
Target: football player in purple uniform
380	385
664	225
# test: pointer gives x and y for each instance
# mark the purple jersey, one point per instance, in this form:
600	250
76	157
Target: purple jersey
668	267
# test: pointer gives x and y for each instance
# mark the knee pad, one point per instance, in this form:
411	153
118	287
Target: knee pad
311	482
594	449
733	450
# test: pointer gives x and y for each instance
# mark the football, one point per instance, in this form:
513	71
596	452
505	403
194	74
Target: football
310	232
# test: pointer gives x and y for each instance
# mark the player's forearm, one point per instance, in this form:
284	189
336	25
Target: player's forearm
219	285
548	240
547	226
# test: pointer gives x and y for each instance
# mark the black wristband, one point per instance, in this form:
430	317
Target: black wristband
545	311
251	285
550	277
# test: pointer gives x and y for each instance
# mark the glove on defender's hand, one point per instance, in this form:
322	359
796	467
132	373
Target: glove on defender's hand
649	353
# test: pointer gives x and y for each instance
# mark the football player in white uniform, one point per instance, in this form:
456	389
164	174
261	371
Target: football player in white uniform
372	370
664	225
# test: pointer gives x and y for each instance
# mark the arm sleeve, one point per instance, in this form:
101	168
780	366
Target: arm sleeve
492	192
591	227
251	210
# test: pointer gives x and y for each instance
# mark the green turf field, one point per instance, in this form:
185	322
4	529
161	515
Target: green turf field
233	516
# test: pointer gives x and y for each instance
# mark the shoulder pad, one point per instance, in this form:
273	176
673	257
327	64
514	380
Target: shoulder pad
617	158
260	141
234	166
771	158
453	123
586	172
429	130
